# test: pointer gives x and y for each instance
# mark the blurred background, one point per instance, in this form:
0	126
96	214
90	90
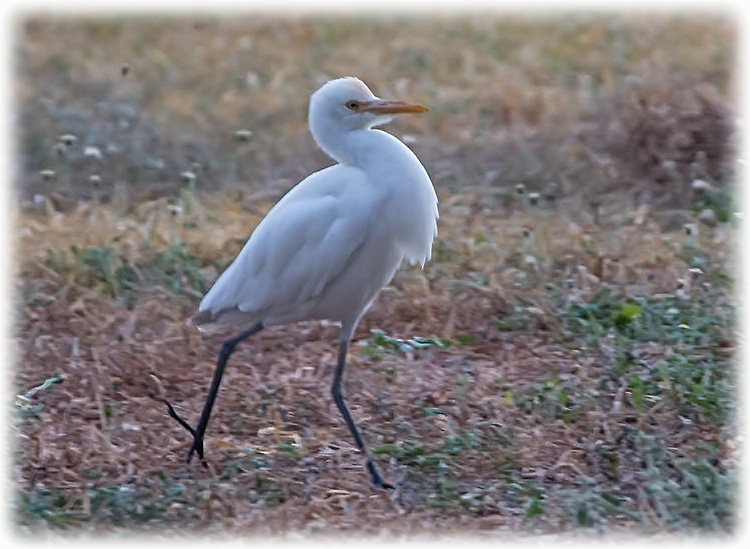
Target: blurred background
565	362
588	104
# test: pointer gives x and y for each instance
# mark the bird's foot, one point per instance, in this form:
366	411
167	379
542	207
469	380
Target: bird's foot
377	479
197	445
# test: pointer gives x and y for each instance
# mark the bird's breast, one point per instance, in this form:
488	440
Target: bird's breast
409	203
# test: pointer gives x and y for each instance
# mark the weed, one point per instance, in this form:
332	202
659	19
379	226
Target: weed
520	320
122	505
409	453
698	376
442	252
534	507
381	343
24	402
175	268
255	468
50	506
592	507
267	490
525	494
454	445
686	494
554	399
721	201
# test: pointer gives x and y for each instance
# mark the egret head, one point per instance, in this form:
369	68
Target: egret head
348	104
345	105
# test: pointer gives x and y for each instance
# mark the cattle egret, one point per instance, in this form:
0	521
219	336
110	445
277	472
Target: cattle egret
327	248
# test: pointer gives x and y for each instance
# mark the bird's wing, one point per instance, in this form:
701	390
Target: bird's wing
303	244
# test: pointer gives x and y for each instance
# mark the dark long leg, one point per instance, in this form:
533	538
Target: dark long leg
227	348
338	397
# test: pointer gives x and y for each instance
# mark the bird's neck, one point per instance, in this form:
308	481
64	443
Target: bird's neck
360	148
335	143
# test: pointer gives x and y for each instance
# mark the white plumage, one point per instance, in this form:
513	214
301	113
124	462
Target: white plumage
327	248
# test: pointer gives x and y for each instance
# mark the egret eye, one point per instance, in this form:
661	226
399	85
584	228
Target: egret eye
352	105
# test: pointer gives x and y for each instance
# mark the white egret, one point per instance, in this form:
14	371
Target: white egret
327	248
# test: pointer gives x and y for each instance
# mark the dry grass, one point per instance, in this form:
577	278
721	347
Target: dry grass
576	374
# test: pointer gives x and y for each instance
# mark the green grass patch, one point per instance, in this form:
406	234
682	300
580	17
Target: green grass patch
686	493
697	371
115	505
175	268
381	344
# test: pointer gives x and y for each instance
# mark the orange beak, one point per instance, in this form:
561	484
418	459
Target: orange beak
380	106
